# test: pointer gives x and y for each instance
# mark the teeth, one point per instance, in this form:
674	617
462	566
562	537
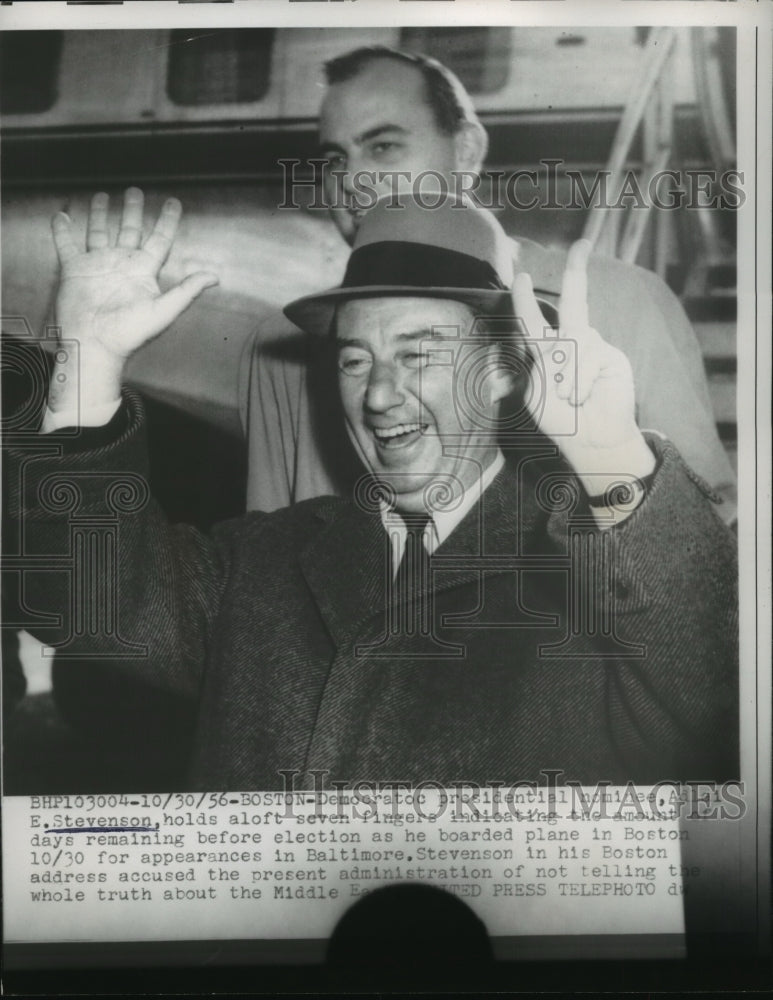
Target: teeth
387	433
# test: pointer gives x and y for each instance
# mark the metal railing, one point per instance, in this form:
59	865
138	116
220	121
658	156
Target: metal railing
650	105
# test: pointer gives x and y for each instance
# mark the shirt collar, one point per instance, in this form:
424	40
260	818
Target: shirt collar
443	522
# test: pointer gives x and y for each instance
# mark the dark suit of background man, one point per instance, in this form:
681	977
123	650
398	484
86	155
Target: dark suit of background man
387	119
459	618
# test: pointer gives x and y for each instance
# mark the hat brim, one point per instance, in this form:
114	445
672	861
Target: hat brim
315	313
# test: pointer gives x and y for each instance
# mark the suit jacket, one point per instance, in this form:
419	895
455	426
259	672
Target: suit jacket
603	655
288	408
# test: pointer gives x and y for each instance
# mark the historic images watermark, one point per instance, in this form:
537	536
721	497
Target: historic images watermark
553	186
497	801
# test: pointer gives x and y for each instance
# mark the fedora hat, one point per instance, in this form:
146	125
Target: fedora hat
454	250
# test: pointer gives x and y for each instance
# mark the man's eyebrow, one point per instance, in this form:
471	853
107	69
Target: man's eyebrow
408	337
378	130
329	147
422	334
367	136
341	342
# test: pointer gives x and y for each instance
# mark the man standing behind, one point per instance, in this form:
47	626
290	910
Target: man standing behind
400	115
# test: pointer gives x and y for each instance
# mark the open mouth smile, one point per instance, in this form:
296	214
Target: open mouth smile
400	435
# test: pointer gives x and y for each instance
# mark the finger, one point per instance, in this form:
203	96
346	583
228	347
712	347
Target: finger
593	360
579	383
168	307
61	227
97	236
159	243
528	312
573	309
130	233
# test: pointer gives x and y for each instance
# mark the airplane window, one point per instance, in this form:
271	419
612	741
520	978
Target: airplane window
29	71
480	57
221	66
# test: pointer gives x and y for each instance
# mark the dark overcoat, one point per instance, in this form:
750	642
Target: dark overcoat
552	646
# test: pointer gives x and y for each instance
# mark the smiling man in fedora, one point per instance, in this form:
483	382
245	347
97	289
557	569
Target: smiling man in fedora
461	617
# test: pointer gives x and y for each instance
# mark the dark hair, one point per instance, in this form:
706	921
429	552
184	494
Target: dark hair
451	104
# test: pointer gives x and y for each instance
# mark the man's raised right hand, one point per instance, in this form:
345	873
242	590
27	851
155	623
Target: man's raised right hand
109	300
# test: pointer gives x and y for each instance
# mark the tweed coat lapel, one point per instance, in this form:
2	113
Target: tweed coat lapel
496	530
346	567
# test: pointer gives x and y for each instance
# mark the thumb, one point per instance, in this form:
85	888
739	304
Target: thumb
168	306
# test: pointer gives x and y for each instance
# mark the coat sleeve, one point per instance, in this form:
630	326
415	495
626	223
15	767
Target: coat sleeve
634	310
664	585
100	572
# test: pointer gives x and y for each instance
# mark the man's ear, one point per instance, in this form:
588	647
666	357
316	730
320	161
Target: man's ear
471	146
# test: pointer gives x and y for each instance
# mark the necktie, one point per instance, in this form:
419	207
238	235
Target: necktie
412	577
